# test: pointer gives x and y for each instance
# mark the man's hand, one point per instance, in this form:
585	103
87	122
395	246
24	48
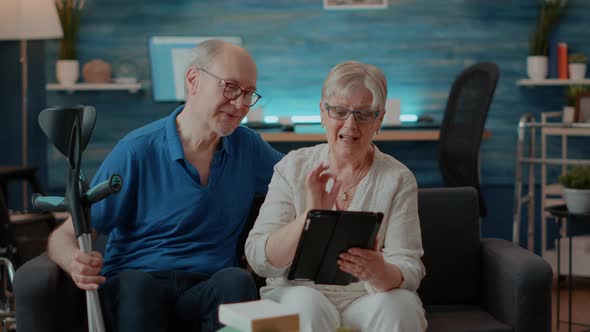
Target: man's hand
85	270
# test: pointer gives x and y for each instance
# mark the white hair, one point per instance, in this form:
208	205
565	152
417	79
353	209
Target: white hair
345	77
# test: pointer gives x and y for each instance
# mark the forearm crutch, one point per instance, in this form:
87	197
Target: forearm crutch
69	129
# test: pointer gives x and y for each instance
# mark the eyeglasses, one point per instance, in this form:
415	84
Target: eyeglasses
233	91
342	113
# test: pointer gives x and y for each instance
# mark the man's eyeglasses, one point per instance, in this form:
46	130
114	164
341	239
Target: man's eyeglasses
233	91
342	113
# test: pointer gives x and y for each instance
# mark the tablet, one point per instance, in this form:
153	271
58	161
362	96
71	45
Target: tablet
327	234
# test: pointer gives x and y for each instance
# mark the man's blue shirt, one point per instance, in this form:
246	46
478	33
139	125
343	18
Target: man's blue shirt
163	218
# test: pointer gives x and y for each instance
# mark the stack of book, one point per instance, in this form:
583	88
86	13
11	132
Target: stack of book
258	316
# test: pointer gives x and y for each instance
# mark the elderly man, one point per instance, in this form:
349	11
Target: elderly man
189	181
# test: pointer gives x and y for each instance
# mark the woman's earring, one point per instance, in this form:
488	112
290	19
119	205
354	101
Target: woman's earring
376	132
322	124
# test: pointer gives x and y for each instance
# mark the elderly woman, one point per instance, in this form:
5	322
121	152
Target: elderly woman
347	173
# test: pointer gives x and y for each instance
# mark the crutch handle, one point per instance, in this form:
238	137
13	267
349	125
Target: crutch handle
104	189
49	203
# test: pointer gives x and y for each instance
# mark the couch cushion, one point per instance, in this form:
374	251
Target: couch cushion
449	220
462	319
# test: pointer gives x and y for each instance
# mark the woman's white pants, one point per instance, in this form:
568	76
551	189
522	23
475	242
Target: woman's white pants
392	311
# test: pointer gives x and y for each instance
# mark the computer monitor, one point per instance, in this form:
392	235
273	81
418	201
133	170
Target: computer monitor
169	56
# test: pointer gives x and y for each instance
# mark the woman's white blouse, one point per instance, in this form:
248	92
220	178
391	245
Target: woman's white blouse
389	187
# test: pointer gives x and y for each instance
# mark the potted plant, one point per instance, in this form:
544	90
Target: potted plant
549	15
571	96
69	12
577	66
576	185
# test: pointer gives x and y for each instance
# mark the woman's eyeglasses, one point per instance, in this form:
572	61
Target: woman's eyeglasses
342	113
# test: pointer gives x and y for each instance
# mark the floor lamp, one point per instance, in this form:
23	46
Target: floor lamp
27	20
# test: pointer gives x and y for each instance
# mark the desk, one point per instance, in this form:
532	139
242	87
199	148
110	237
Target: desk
560	212
383	136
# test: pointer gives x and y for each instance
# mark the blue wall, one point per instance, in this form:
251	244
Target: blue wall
420	44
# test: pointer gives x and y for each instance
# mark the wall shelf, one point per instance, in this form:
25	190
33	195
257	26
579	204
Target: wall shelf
130	87
551	82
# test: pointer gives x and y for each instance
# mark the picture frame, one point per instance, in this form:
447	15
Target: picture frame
355	4
169	57
583	107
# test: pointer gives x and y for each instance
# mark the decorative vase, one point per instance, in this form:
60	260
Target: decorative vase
577	71
536	67
97	71
67	71
577	200
569	113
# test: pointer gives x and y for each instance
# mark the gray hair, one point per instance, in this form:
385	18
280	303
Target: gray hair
345	77
203	56
205	53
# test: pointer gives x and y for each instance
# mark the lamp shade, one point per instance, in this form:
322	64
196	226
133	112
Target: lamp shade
29	19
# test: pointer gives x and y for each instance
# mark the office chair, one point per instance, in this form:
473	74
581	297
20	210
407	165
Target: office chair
463	125
23	235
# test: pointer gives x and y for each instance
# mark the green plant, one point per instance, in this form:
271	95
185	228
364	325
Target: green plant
69	12
344	329
577	178
577	58
572	92
549	15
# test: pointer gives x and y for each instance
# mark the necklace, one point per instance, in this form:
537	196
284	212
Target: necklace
344	194
358	176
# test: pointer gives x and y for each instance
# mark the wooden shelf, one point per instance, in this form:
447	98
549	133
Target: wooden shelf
554	189
130	87
574	129
384	135
551	82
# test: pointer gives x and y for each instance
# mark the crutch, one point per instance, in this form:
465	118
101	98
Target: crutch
69	129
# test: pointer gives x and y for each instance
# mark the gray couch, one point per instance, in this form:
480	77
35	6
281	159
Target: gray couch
472	284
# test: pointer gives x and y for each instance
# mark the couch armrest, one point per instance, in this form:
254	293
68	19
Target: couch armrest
516	286
46	298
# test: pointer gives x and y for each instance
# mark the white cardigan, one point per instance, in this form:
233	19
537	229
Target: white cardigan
389	187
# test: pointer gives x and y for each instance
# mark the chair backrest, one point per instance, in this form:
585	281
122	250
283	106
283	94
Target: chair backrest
23	234
449	223
463	125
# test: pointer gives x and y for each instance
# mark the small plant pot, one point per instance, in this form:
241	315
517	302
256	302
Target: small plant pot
577	200
577	71
569	113
536	67
67	71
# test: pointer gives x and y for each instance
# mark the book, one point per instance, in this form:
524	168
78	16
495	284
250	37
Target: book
259	316
326	235
552	57
562	63
228	329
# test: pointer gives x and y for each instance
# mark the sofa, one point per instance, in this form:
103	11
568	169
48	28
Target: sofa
472	284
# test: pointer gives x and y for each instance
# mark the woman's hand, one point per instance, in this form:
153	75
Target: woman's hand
85	270
369	265
315	183
365	264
